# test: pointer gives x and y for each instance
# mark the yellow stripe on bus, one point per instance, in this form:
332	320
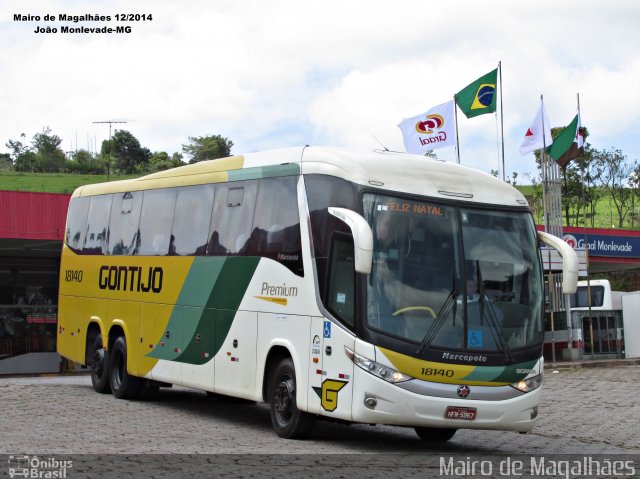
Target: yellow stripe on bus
434	371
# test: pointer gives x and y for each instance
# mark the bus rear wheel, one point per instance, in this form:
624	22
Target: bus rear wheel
99	363
435	434
123	384
288	421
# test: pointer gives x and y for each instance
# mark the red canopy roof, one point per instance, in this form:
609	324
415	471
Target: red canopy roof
27	215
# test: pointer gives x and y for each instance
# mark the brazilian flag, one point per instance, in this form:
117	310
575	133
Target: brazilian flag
479	97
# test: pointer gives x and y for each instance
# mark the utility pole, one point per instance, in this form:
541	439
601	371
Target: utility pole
109	150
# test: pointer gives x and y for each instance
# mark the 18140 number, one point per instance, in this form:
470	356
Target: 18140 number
73	275
445	373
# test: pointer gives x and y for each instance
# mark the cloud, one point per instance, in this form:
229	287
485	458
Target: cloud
278	73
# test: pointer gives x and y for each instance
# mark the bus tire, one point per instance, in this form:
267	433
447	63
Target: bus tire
287	420
435	434
99	364
123	384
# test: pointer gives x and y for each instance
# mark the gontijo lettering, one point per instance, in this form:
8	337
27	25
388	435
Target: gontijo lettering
131	278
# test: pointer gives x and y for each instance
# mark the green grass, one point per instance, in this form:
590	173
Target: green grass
606	215
51	182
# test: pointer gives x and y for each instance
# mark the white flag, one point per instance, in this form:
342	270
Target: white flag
533	138
434	129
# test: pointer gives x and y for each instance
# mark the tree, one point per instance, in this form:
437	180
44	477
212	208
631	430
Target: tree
5	161
126	153
21	154
574	192
160	160
49	157
202	148
83	161
614	176
511	181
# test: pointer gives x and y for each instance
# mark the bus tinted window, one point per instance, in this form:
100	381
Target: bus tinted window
123	226
191	220
322	192
232	217
155	221
77	222
97	225
276	224
581	298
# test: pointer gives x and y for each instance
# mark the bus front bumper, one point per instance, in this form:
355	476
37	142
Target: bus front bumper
376	401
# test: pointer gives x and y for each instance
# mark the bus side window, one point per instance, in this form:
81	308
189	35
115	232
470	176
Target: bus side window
98	225
340	295
155	222
77	222
276	223
191	220
123	225
231	217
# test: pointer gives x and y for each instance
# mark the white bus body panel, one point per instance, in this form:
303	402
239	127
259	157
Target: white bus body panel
404	408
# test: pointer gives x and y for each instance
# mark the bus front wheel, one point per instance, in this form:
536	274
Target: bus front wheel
99	363
288	421
435	434
123	385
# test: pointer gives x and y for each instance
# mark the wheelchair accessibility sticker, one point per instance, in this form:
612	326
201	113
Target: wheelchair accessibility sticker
474	338
327	329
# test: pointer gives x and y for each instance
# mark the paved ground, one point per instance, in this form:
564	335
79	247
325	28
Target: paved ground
584	412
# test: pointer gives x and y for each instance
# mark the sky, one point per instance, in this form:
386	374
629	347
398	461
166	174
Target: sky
280	73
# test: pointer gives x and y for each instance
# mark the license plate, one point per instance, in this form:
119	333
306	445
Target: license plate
466	413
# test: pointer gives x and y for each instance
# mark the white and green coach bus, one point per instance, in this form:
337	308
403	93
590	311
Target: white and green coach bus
363	286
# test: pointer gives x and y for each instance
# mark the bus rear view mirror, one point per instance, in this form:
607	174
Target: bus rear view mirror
362	237
569	261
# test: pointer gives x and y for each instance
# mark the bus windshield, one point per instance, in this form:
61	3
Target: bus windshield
451	277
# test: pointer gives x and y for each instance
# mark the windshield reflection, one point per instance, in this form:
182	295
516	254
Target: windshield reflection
453	278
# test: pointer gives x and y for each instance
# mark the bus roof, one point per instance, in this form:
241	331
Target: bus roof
401	172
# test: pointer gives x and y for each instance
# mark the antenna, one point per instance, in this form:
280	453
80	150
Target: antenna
109	151
380	143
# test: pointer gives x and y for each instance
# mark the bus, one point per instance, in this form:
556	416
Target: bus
357	285
602	320
602	297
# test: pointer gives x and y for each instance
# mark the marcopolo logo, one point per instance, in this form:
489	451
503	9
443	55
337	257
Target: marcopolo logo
433	122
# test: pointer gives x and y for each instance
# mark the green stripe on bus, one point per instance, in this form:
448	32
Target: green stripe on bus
511	374
217	286
288	169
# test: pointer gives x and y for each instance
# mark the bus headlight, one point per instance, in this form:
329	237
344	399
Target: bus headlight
528	384
383	372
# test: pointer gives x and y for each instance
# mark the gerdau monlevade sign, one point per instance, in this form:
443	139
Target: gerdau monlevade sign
605	243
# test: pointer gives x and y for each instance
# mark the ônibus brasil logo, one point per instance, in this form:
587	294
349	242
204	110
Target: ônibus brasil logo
432	122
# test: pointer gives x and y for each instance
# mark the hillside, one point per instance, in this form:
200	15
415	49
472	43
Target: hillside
51	182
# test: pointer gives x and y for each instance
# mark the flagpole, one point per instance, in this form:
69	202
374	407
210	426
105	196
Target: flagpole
501	119
455	111
550	279
584	218
543	163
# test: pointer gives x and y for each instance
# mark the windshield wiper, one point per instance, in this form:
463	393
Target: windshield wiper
449	305
497	330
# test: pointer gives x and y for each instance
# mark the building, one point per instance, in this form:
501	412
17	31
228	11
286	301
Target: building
31	234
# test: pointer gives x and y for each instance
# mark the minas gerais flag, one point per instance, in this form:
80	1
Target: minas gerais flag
538	134
431	130
479	97
569	143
